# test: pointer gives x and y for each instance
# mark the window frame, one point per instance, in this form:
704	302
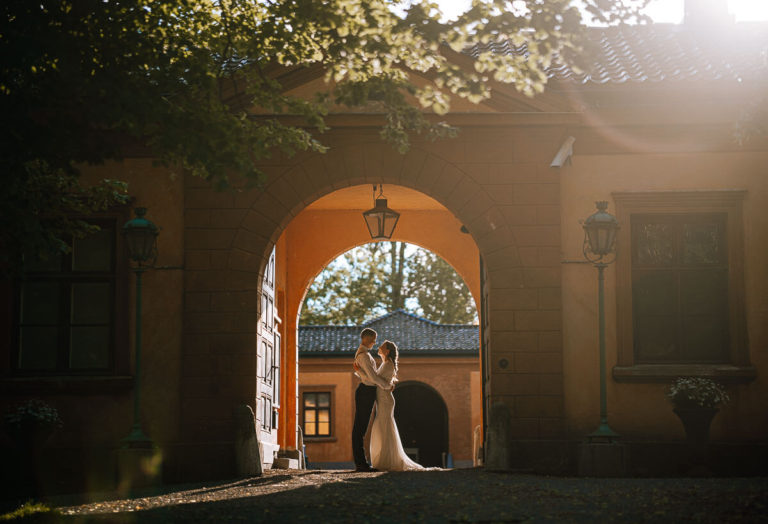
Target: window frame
331	390
725	202
116	375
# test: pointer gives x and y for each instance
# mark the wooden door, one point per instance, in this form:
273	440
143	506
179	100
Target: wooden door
268	364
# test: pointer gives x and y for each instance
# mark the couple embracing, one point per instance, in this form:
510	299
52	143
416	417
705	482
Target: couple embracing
377	384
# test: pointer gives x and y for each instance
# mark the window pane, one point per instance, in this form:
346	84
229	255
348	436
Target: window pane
309	429
309	416
654	244
35	264
309	400
704	292
655	293
323	400
705	338
323	428
656	338
91	303
40	303
702	244
323	415
94	252
268	362
89	347
39	347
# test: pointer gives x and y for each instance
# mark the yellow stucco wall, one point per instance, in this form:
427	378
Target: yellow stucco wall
455	379
641	409
161	191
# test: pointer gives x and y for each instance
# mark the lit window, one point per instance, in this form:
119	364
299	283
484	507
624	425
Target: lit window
316	413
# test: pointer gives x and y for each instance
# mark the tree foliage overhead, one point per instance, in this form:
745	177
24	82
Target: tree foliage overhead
378	278
84	81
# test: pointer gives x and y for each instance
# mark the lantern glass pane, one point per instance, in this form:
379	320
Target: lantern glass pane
602	240
592	239
390	221
141	244
374	223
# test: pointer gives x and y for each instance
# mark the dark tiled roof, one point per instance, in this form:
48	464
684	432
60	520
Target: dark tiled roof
412	334
662	52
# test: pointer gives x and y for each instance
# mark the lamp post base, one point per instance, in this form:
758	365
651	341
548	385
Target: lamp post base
139	461
603	434
136	439
138	468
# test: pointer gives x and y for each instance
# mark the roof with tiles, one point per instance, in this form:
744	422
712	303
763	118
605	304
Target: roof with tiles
412	334
657	53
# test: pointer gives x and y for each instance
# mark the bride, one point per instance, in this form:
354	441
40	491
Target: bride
386	449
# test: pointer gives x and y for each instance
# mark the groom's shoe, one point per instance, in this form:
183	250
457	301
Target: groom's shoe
365	469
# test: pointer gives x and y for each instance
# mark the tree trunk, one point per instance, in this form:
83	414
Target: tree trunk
397	265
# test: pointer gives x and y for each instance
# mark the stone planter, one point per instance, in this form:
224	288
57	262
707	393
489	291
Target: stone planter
696	421
30	438
30	435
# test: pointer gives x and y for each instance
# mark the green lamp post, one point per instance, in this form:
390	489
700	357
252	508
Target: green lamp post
140	237
600	248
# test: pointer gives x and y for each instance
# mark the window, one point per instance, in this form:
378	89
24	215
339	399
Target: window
679	286
316	413
65	315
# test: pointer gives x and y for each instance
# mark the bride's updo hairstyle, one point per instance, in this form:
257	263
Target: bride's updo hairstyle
392	356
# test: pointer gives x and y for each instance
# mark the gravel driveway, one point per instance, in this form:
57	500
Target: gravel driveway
465	495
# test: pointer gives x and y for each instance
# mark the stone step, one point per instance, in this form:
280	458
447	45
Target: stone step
285	463
289	453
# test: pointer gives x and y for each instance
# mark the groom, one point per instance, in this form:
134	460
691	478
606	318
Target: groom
365	396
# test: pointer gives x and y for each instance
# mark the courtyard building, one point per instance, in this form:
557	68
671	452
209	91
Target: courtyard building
647	126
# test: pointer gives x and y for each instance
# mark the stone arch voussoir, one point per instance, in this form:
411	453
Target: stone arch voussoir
288	192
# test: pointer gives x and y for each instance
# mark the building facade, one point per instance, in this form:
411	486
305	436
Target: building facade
648	127
438	400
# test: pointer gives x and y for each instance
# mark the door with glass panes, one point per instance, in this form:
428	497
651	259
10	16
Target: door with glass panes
268	366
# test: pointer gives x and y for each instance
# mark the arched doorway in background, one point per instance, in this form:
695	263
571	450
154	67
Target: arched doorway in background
422	420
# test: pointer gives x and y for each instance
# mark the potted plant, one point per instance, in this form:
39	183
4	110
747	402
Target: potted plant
696	402
31	424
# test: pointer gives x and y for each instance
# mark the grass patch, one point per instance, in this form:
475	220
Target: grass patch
31	512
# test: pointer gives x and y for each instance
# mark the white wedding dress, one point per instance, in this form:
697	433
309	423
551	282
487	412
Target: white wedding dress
387	452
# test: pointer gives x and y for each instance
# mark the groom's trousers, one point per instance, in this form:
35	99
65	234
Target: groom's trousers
365	397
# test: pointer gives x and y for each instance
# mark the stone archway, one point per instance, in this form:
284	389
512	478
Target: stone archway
422	421
497	183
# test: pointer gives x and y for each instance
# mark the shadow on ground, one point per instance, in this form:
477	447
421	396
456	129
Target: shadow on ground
437	496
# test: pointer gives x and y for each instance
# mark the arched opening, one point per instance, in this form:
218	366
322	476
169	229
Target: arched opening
422	420
519	289
325	229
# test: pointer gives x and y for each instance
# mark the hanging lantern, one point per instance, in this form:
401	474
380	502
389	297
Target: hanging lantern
381	220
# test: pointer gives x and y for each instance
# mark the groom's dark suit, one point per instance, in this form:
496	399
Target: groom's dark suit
365	397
